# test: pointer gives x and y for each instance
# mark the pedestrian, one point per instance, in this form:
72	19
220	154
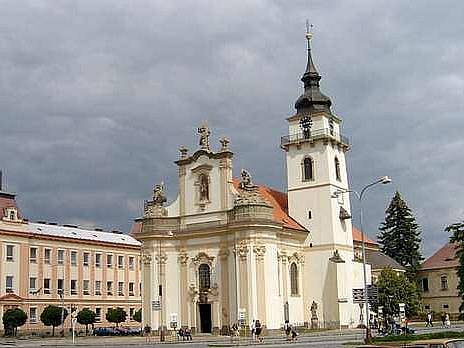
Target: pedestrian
447	321
293	333
258	331
253	330
429	319
188	334
181	334
287	329
442	317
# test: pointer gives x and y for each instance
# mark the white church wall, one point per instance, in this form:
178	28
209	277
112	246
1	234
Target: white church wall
274	304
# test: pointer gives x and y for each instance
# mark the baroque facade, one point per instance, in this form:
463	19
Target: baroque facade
227	250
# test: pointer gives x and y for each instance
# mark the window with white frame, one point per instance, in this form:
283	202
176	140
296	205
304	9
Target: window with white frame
33	315
73	258
60	257
131	289
33	255
120	288
98	259
98	287
98	313
109	260
131	313
86	259
85	287
60	285
73	287
10	253
120	261
32	283
131	262
109	288
9	284
46	285
444	282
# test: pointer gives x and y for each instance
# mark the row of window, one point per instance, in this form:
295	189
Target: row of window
443	283
308	169
73	258
33	317
46	288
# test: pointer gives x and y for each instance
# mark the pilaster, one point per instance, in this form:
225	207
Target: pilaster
260	251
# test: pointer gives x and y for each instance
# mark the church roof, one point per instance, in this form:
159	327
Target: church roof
445	257
357	237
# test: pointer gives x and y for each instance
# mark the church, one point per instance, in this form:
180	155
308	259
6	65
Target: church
229	251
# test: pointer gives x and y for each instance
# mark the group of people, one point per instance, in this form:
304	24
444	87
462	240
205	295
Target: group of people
445	320
256	330
185	334
290	331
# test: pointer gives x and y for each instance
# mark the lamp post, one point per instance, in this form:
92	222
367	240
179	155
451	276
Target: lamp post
383	180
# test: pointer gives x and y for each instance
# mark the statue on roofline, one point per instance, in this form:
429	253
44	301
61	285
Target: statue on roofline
159	194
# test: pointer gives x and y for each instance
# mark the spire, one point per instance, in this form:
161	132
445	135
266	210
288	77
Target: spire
312	97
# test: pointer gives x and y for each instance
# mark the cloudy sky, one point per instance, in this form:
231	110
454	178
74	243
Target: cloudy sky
97	96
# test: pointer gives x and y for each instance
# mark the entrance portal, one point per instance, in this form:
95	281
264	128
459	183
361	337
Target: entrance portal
205	317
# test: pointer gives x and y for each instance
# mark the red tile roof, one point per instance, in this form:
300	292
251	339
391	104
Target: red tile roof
357	237
443	258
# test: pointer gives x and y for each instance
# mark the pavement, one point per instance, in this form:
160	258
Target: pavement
329	338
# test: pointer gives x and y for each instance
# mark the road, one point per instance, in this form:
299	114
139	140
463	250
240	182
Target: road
321	339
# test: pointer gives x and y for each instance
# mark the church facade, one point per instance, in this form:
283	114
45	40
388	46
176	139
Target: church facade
227	250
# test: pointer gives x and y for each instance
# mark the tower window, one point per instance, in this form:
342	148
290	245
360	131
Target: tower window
308	169
337	169
310	215
204	187
204	276
294	279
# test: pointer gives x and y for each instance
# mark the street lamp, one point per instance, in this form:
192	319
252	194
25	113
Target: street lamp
160	289
383	180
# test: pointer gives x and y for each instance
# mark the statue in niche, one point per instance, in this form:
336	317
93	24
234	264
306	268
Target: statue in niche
204	188
159	195
204	133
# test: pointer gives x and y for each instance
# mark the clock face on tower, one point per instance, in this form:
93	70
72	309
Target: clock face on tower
305	124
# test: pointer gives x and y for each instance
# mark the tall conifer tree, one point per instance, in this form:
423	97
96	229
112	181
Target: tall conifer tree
400	236
457	237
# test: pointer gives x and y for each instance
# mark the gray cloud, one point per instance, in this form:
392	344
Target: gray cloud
96	97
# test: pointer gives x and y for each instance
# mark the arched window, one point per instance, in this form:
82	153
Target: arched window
294	279
308	169
204	276
204	187
337	169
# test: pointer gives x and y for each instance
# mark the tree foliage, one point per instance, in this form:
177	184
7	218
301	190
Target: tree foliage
116	315
12	319
395	288
457	237
86	317
51	316
400	236
138	315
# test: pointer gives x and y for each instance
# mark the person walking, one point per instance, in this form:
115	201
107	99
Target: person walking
258	331
447	321
253	330
287	329
429	321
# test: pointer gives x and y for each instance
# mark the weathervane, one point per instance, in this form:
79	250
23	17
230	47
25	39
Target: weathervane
309	29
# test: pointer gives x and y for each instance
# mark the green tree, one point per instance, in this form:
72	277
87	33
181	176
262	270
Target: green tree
51	316
395	288
457	237
400	236
12	319
116	315
138	316
86	317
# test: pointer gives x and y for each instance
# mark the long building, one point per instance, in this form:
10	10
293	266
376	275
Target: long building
91	268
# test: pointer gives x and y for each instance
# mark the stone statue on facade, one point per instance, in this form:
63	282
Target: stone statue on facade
245	180
159	195
314	318
204	133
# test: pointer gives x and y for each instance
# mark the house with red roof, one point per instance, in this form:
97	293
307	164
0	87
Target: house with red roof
439	281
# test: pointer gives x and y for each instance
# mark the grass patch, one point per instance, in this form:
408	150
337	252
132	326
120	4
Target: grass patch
409	338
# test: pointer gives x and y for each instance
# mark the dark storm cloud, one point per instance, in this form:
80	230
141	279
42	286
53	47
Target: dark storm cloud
96	97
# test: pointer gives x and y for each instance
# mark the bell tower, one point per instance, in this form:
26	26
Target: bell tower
316	167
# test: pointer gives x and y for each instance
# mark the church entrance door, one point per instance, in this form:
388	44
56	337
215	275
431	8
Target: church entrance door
205	317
